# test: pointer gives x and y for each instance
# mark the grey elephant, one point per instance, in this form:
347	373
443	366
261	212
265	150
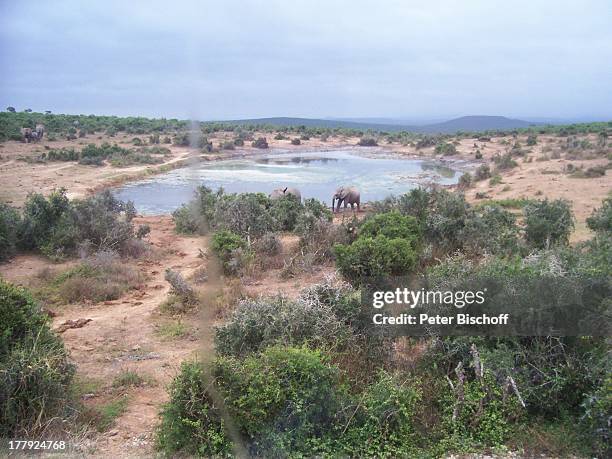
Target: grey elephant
26	134
40	131
347	195
280	192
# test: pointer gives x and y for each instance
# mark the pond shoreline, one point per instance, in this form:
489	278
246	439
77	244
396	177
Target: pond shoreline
377	171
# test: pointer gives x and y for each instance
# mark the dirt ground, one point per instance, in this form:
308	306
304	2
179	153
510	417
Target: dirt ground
124	334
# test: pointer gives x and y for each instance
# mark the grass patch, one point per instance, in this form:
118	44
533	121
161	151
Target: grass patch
84	385
172	330
103	277
128	378
495	180
105	415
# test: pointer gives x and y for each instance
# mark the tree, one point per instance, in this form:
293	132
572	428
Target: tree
10	109
548	222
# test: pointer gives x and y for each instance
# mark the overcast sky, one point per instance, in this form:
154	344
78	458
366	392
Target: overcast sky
241	59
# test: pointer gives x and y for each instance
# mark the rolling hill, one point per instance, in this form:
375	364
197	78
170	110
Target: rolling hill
464	123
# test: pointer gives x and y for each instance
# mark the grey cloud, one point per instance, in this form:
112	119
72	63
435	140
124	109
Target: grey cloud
230	59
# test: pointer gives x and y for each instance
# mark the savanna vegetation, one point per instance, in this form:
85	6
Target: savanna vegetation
311	376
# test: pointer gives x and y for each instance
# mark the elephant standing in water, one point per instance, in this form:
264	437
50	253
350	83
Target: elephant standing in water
348	195
280	192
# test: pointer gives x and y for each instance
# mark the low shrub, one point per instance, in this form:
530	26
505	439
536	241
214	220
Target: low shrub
57	226
370	259
600	220
10	222
180	288
261	142
269	245
548	222
101	277
445	149
257	324
35	373
296	141
192	421
492	230
483	172
465	181
496	180
232	250
367	142
504	162
392	225
285	211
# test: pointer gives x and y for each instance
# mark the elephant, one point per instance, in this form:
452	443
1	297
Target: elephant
280	192
40	131
26	134
348	195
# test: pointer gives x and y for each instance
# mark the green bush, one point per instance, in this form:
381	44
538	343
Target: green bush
465	181
548	222
386	246
492	230
483	172
415	203
445	149
283	400
64	154
369	259
384	421
41	217
285	211
446	218
246	214
313	212
552	373
257	324
485	417
35	374
392	225
56	226
10	222
230	249
191	422
600	220
504	162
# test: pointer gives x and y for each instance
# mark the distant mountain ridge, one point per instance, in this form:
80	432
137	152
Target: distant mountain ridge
472	123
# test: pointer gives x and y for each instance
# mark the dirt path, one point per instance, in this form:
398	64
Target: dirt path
122	336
